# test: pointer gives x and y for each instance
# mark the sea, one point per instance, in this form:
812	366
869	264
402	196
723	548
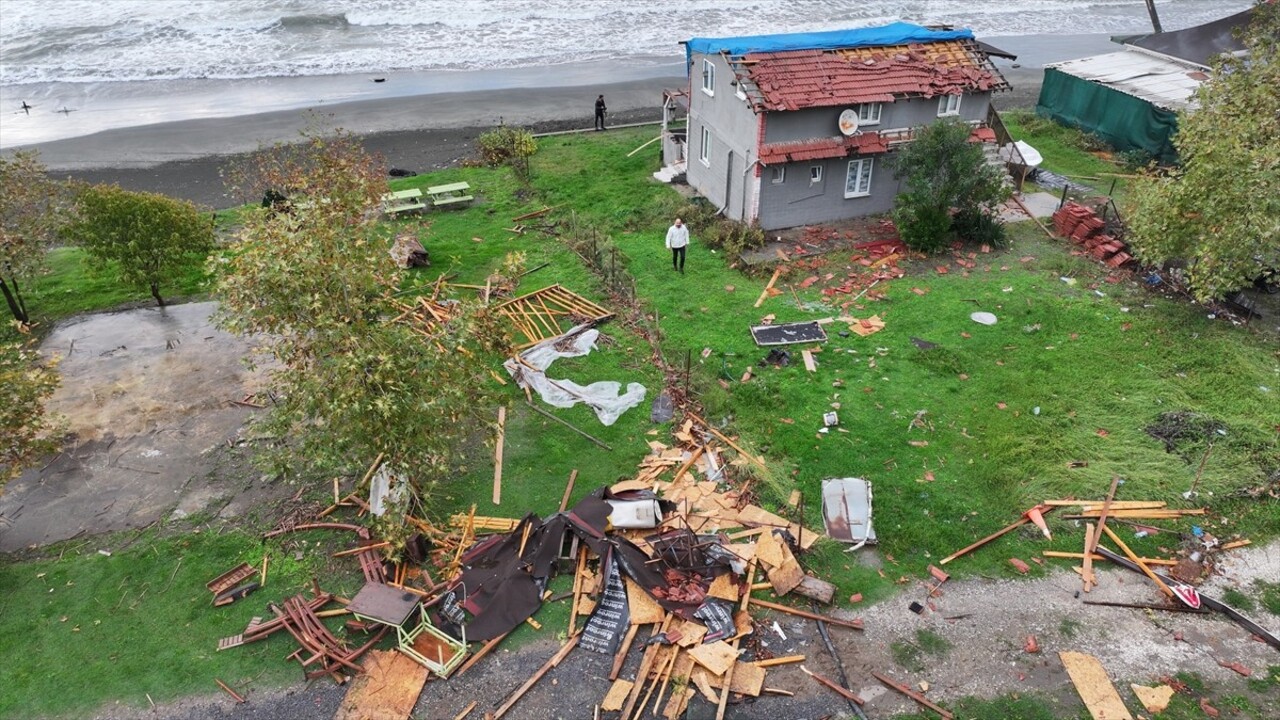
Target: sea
85	66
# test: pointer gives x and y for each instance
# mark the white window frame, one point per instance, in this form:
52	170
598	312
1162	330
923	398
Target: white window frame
739	90
779	174
948	105
869	113
708	77
815	174
855	171
704	152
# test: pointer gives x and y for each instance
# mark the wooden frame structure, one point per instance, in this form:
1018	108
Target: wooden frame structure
537	315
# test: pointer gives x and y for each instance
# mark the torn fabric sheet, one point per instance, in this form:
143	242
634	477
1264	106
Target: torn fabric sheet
605	397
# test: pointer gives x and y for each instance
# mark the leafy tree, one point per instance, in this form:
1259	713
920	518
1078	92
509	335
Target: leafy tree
150	238
29	221
943	174
26	431
1220	211
511	145
355	375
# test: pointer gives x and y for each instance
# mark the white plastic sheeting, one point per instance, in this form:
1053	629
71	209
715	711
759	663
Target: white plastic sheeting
605	397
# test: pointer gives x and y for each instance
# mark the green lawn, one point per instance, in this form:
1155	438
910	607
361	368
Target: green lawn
1072	372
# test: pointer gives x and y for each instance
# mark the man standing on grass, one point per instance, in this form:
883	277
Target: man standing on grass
677	241
600	110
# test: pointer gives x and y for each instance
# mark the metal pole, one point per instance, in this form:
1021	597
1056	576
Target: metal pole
1155	19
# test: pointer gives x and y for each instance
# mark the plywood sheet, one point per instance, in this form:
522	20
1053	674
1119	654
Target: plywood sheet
717	657
748	679
644	609
724	588
1155	699
387	690
1095	688
617	695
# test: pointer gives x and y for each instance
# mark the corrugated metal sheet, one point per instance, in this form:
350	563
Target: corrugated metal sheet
1161	82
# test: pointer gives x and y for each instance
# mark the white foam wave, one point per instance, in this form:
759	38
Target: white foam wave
126	40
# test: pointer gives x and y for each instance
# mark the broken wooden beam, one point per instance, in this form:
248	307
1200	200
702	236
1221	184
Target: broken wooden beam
497	455
852	624
1026	518
554	661
764	294
569	425
1137	560
568	489
922	700
847	695
238	698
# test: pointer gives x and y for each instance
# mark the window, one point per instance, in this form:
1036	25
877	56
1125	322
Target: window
815	174
739	90
704	152
869	114
779	174
949	105
708	77
857	183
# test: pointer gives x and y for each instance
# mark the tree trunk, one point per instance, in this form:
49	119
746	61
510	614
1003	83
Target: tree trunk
16	306
155	293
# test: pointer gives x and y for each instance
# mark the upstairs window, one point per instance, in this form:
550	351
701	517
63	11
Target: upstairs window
815	174
948	105
869	114
708	77
778	174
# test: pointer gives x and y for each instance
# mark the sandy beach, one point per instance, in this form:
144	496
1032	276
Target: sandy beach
427	131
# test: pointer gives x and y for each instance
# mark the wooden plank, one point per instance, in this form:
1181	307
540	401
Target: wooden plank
785	660
764	294
853	624
832	685
913	695
808	361
1079	556
1086	571
820	590
554	661
497	455
1141	565
568	489
464	712
1094	687
748	679
621	657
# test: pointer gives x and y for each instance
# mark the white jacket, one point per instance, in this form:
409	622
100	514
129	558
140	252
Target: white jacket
677	237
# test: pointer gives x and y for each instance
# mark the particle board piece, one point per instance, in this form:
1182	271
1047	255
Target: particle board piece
1094	687
617	695
722	587
644	609
717	657
676	705
702	680
748	679
809	364
753	515
388	689
1154	699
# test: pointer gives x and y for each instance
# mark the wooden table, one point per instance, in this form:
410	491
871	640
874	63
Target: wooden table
441	195
400	201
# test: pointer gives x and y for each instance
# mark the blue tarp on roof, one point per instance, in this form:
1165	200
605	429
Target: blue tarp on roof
898	33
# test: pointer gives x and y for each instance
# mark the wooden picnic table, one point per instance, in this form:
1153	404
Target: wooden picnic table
459	192
394	203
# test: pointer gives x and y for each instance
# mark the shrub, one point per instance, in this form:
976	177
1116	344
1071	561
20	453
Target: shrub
980	227
510	145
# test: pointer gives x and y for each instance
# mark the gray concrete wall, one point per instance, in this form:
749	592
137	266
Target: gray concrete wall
823	122
733	140
797	201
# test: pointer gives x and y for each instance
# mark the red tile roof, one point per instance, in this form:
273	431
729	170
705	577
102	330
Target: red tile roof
822	148
797	79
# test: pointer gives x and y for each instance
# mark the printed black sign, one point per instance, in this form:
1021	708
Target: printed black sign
607	624
717	615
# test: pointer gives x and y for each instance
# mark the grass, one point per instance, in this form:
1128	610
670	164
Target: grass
1101	361
1069	151
910	655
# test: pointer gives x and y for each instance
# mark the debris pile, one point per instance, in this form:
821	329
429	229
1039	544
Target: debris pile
1083	227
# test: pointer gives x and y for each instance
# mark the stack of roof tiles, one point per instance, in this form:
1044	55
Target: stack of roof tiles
1083	227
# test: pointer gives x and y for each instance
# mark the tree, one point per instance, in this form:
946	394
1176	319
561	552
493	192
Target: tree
943	174
26	431
511	145
150	238
355	374
1220	210
30	218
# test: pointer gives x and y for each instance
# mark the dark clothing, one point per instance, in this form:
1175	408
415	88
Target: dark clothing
677	258
600	110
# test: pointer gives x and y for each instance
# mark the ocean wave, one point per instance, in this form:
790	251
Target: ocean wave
306	22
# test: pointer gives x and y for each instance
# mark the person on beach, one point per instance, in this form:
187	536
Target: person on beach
677	242
600	110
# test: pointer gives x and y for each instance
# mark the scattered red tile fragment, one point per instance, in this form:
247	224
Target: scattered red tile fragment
1102	432
1241	669
855	598
1032	647
1208	709
1019	565
942	269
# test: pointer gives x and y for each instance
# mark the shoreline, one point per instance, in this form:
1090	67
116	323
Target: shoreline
433	130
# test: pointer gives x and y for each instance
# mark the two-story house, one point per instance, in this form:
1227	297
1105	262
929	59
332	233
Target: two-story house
788	130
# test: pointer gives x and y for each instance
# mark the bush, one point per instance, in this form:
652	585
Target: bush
923	228
979	227
733	237
506	144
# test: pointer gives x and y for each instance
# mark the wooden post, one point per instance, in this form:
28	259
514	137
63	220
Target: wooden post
564	501
497	455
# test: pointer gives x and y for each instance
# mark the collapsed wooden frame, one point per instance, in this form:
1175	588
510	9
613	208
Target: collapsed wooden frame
537	316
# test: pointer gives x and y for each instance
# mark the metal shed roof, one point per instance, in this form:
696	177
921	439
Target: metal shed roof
1161	82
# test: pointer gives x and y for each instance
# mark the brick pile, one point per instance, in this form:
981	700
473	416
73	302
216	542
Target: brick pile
1083	227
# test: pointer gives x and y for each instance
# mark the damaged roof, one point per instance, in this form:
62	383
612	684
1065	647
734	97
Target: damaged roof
868	143
1162	82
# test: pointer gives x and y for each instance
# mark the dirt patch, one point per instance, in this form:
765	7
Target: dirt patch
149	398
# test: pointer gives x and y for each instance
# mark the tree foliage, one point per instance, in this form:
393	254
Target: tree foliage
944	174
354	375
1220	211
506	144
30	218
149	238
26	430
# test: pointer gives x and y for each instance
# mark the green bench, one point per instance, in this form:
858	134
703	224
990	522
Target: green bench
403	201
451	194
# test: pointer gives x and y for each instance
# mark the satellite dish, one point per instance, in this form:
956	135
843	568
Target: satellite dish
849	121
